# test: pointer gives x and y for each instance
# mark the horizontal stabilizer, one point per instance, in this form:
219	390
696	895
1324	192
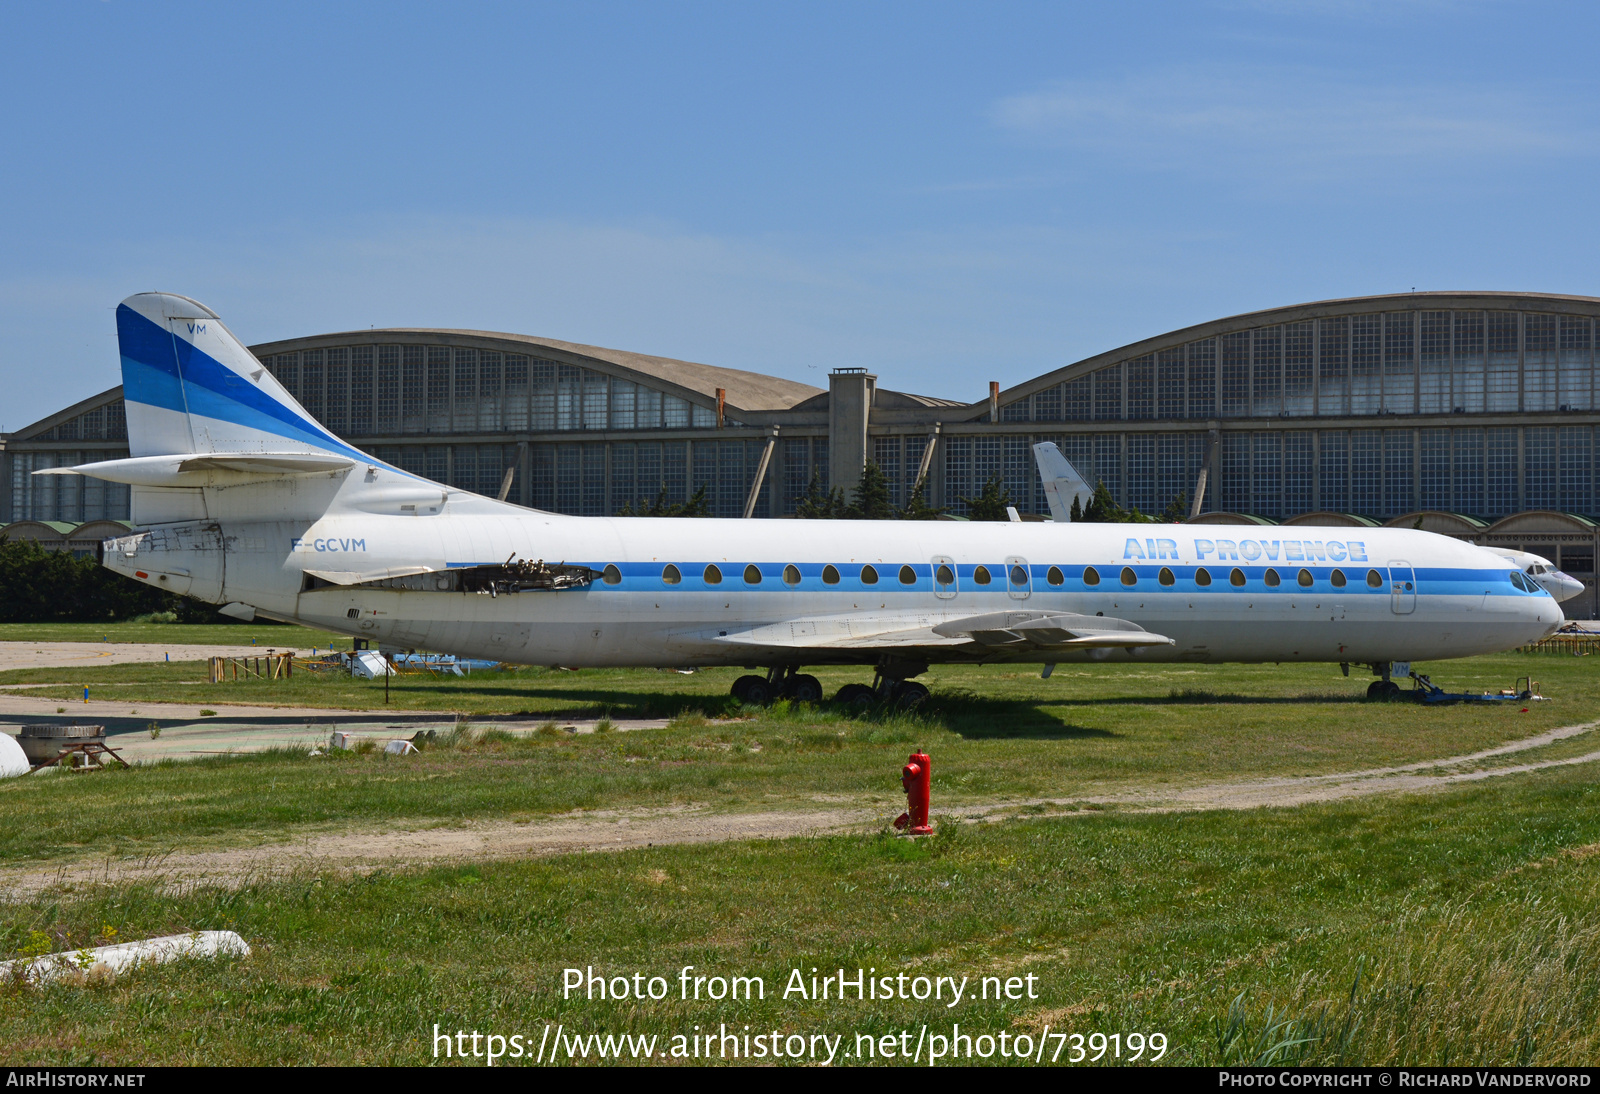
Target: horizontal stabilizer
208	470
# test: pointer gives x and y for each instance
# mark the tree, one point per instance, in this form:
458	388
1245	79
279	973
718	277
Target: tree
1177	510
991	503
42	586
698	505
872	496
917	507
819	504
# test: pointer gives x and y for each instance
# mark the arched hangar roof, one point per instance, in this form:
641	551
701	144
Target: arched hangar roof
753	391
1296	313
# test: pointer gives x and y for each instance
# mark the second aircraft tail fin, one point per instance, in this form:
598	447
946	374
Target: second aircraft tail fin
1062	483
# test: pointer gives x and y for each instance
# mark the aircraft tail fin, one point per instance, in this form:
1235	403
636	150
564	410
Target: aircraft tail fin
1062	483
192	388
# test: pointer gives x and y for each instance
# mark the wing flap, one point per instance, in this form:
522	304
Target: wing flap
1051	630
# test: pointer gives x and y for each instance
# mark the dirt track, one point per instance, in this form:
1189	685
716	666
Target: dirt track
365	850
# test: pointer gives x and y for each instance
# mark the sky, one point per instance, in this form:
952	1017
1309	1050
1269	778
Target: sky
946	194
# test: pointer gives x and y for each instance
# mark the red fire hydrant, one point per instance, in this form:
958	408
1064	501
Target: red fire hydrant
917	777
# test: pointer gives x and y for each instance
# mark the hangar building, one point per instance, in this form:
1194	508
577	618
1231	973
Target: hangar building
1471	414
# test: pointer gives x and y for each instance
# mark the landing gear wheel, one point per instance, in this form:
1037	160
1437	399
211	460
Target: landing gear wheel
1384	691
802	689
752	689
909	694
856	695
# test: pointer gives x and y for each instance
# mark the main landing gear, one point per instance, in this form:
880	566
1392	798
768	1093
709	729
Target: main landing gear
782	682
889	686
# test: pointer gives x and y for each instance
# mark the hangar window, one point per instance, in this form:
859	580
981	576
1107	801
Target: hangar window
752	575
908	576
1165	576
670	575
869	575
1128	576
1304	579
611	575
830	575
1202	577
980	576
1272	577
1091	576
791	575
1337	577
1374	579
1236	578
713	575
1054	576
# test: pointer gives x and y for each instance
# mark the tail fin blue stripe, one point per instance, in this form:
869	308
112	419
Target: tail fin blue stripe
159	370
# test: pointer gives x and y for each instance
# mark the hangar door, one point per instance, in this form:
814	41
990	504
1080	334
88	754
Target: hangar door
1402	587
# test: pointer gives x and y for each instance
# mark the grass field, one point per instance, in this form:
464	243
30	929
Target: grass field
221	634
1446	928
995	734
1457	926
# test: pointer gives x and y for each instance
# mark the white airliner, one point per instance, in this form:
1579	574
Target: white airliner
242	499
1543	573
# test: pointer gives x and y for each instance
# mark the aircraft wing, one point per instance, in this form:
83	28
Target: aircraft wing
1008	632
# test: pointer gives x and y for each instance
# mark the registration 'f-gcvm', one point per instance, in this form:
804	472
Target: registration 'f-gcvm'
241	498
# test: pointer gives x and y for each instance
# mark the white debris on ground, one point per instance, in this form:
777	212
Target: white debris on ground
105	962
13	761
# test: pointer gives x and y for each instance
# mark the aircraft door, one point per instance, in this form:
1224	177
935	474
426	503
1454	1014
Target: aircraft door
1019	578
944	577
1402	587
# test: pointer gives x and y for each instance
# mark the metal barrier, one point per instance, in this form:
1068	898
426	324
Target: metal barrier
1572	644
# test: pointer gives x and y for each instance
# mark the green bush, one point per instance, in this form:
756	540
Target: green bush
39	586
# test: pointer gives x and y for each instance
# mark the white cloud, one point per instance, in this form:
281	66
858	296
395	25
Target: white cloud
1291	123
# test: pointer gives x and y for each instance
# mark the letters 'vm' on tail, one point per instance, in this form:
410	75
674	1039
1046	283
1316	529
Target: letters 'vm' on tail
242	499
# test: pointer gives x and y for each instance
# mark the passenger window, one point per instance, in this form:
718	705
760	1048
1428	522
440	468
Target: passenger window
1128	576
713	575
1272	578
670	575
1304	579
869	576
1019	576
980	576
1202	577
908	576
1236	578
752	575
1091	576
944	575
1374	579
830	575
1337	578
1054	576
611	575
1165	576
791	575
